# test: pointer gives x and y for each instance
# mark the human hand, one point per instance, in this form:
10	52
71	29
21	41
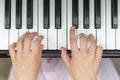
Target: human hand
84	63
26	61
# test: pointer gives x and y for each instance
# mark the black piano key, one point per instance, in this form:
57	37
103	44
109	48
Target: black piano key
114	14
18	14
7	14
29	14
57	14
75	13
97	14
46	17
86	14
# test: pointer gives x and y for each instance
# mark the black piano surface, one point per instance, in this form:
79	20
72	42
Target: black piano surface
56	53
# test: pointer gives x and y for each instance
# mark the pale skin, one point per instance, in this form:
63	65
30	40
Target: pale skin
83	65
85	61
26	62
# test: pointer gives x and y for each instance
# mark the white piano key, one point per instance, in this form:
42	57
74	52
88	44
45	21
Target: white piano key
110	32
24	16
62	31
91	30
118	30
69	21
3	31
101	33
42	31
13	30
80	29
52	32
34	29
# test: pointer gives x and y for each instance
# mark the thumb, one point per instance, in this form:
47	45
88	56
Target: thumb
65	57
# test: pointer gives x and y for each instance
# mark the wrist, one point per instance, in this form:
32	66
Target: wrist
25	78
85	78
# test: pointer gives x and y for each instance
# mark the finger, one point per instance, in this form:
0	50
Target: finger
65	57
20	42
93	45
41	49
83	42
73	42
27	42
98	56
12	51
38	52
37	43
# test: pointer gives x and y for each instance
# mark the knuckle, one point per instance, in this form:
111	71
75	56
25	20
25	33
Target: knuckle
94	44
41	36
82	35
27	39
19	41
37	43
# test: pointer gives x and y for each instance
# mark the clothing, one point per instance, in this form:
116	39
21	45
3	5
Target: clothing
54	69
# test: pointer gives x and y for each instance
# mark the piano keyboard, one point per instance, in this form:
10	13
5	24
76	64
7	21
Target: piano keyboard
53	19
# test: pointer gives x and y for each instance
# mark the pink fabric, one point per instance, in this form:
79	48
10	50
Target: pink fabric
54	69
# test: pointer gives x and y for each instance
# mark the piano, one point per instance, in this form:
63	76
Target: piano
53	19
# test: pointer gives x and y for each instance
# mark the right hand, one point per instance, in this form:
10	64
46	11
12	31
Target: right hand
84	63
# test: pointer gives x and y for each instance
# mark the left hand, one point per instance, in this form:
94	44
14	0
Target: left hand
26	61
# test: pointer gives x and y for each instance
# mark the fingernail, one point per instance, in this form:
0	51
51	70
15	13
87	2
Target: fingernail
41	36
36	33
82	34
61	48
72	28
90	35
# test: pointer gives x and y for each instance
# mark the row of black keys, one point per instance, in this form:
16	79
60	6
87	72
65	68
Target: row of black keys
46	12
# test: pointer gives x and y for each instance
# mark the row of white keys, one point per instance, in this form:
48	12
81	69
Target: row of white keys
52	32
118	30
101	33
110	32
24	18
13	31
3	32
62	31
69	21
34	29
42	31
